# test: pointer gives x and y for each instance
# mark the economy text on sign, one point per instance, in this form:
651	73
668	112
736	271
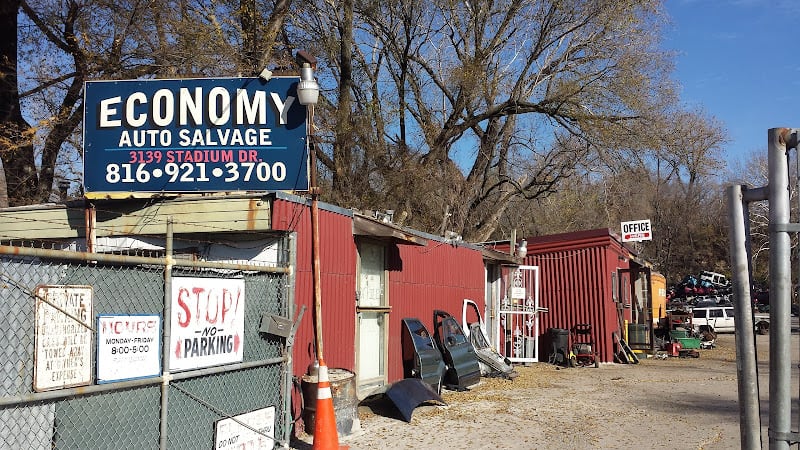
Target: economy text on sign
128	347
226	134
637	230
63	337
207	323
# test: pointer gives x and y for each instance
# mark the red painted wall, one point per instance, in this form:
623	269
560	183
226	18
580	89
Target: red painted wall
420	279
576	283
338	257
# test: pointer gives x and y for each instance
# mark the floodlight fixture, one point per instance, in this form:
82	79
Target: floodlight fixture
307	88
522	249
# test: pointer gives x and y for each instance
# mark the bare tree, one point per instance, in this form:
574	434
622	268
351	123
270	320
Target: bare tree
676	184
461	116
461	108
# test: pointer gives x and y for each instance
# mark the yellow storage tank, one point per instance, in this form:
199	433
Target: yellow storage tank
658	287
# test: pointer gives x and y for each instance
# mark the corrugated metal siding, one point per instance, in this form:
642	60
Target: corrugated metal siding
338	276
422	279
576	284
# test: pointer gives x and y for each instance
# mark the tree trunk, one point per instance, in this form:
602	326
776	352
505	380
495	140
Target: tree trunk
16	149
343	146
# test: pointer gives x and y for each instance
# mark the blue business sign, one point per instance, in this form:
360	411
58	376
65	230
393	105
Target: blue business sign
194	135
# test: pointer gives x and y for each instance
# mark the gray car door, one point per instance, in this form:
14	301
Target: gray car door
421	358
463	369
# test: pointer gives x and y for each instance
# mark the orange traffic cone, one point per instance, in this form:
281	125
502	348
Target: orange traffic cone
325	435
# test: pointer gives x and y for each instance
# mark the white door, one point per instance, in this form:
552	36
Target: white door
372	310
493	294
518	324
716	317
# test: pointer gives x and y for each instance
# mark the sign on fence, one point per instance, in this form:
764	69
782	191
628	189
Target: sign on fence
207	323
128	347
63	337
190	135
231	435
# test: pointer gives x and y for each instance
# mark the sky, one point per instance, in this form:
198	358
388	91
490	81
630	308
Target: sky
738	60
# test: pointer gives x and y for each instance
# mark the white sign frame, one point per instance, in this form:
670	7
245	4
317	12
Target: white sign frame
196	339
642	231
128	347
229	434
63	345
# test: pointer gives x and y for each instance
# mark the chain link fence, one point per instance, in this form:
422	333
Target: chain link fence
91	356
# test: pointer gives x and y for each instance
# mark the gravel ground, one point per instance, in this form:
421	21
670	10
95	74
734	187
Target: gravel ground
675	403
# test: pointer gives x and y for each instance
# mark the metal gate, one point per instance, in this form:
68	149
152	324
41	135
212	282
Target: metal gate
518	327
88	352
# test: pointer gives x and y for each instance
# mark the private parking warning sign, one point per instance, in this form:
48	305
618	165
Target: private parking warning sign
636	231
259	434
63	337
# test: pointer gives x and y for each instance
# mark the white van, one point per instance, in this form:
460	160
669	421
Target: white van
714	318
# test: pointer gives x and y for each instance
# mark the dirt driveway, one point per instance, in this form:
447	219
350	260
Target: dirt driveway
658	404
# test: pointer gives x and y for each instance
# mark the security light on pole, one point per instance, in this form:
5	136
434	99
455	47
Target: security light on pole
308	88
308	95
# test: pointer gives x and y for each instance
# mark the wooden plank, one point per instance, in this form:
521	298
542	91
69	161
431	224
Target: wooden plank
47	222
139	217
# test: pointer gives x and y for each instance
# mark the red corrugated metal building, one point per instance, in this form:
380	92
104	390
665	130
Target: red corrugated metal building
374	274
591	277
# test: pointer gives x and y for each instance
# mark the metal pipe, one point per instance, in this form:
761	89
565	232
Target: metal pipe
315	260
60	394
780	292
316	276
755	194
127	259
167	336
746	367
289	366
91	232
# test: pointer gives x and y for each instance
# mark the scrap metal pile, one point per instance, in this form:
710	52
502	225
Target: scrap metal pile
706	288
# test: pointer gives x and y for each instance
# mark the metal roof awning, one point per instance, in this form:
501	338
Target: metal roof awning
501	257
365	226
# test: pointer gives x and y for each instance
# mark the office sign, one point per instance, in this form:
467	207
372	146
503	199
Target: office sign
637	230
194	135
